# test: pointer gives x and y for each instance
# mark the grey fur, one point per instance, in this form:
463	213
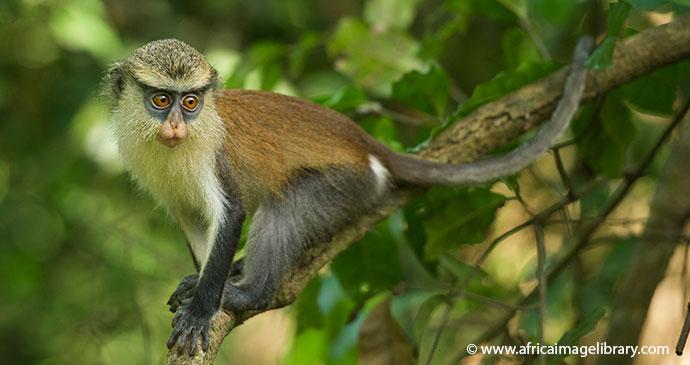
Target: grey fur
420	172
315	206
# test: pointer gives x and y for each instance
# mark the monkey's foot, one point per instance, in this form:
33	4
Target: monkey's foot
183	292
240	299
189	328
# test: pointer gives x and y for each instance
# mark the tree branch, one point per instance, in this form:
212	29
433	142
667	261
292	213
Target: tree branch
585	233
669	212
486	129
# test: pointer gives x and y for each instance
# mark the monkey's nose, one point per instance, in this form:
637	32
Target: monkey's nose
171	134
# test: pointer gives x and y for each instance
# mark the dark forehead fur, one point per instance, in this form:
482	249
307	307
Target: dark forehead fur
170	57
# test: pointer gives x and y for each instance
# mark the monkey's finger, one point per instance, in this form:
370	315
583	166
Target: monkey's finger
175	319
195	339
173	338
174	298
182	342
206	340
173	303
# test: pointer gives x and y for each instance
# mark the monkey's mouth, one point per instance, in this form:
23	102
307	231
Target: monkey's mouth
171	142
172	135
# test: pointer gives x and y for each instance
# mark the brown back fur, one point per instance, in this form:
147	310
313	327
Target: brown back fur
271	137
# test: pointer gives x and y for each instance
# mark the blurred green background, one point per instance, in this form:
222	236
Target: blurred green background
87	261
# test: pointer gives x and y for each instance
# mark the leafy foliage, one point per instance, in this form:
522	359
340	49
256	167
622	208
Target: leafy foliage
608	137
602	57
86	262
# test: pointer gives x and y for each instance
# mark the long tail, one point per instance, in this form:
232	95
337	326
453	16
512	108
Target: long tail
420	172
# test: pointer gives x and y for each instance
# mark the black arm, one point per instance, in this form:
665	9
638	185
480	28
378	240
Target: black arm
210	286
192	321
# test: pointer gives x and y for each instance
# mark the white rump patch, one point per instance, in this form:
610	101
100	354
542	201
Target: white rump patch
381	173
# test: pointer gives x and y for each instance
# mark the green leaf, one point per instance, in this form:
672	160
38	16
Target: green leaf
307	306
308	349
602	57
647	5
384	130
618	13
585	326
558	304
426	310
384	15
518	7
518	48
301	51
345	338
453	217
414	230
264	57
425	91
593	202
606	144
369	265
334	303
382	340
491	9
435	42
270	75
651	94
79	25
506	82
346	99
459	269
373	59
596	291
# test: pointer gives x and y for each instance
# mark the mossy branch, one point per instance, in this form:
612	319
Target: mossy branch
489	127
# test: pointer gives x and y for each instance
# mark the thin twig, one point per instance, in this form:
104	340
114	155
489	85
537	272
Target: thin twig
541	277
683	338
541	216
561	171
631	176
437	336
598	103
536	39
521	200
491	301
684	273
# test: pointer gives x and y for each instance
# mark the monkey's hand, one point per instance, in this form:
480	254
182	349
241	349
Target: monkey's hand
191	324
183	292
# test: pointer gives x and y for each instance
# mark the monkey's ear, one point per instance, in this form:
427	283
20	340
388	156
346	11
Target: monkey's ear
215	79
117	81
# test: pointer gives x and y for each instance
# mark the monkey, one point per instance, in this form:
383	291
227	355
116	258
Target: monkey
212	157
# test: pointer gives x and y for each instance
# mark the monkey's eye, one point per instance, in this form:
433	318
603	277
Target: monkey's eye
190	102
161	100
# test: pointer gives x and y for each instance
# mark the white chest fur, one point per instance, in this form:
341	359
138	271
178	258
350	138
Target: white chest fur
184	180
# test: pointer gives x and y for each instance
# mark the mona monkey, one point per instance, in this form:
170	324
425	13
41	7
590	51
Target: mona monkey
212	156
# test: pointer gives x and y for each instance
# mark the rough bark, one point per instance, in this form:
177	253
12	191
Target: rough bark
669	212
486	129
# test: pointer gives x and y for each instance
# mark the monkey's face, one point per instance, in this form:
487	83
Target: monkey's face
164	92
165	115
174	110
